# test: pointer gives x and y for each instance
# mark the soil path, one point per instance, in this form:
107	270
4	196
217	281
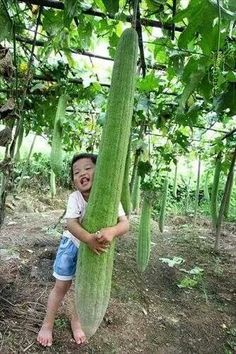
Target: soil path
148	313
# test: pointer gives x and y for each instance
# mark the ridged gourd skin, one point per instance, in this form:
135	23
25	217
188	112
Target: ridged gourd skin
56	158
125	194
94	273
214	192
144	236
163	204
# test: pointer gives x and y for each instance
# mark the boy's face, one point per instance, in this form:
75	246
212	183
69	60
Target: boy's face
83	171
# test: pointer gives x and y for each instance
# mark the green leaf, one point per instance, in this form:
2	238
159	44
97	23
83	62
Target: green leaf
182	140
209	36
231	76
69	58
143	104
70	11
196	270
111	6
149	83
113	41
176	61
188	283
188	12
100	5
85	30
172	262
193	74
53	21
160	53
202	27
101	119
226	13
144	168
154	5
189	33
205	87
38	86
232	5
5	23
227	100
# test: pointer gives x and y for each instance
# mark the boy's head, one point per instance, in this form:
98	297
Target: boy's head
82	172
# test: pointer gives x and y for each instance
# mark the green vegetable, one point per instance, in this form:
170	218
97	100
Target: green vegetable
144	236
56	158
93	275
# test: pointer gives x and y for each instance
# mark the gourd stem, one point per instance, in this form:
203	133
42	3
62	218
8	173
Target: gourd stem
135	12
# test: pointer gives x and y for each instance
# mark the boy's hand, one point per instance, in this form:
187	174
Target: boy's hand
96	246
105	236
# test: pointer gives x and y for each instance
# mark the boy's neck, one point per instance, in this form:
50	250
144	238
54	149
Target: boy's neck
85	196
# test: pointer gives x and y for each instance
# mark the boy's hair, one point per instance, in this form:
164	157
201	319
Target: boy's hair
83	155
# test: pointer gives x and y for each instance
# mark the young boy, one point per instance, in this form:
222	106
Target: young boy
82	172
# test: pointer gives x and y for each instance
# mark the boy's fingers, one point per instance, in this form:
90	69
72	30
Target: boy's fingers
103	249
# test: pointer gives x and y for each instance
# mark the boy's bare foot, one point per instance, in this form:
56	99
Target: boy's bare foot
78	333
45	336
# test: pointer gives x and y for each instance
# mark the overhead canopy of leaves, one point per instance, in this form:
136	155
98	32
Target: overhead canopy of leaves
190	69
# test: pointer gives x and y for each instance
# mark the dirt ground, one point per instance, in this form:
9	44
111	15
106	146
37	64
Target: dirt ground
148	313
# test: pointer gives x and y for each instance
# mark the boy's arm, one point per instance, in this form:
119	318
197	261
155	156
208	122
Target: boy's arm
107	234
81	234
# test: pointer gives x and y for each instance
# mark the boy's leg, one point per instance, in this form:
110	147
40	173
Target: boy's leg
78	333
54	300
63	271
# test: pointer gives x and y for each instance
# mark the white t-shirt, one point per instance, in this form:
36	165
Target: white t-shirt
76	207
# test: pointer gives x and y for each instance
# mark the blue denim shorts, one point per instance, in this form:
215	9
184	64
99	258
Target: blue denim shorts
64	266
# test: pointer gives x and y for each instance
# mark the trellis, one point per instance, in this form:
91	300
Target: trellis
142	22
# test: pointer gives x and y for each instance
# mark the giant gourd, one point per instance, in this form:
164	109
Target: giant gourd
93	274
